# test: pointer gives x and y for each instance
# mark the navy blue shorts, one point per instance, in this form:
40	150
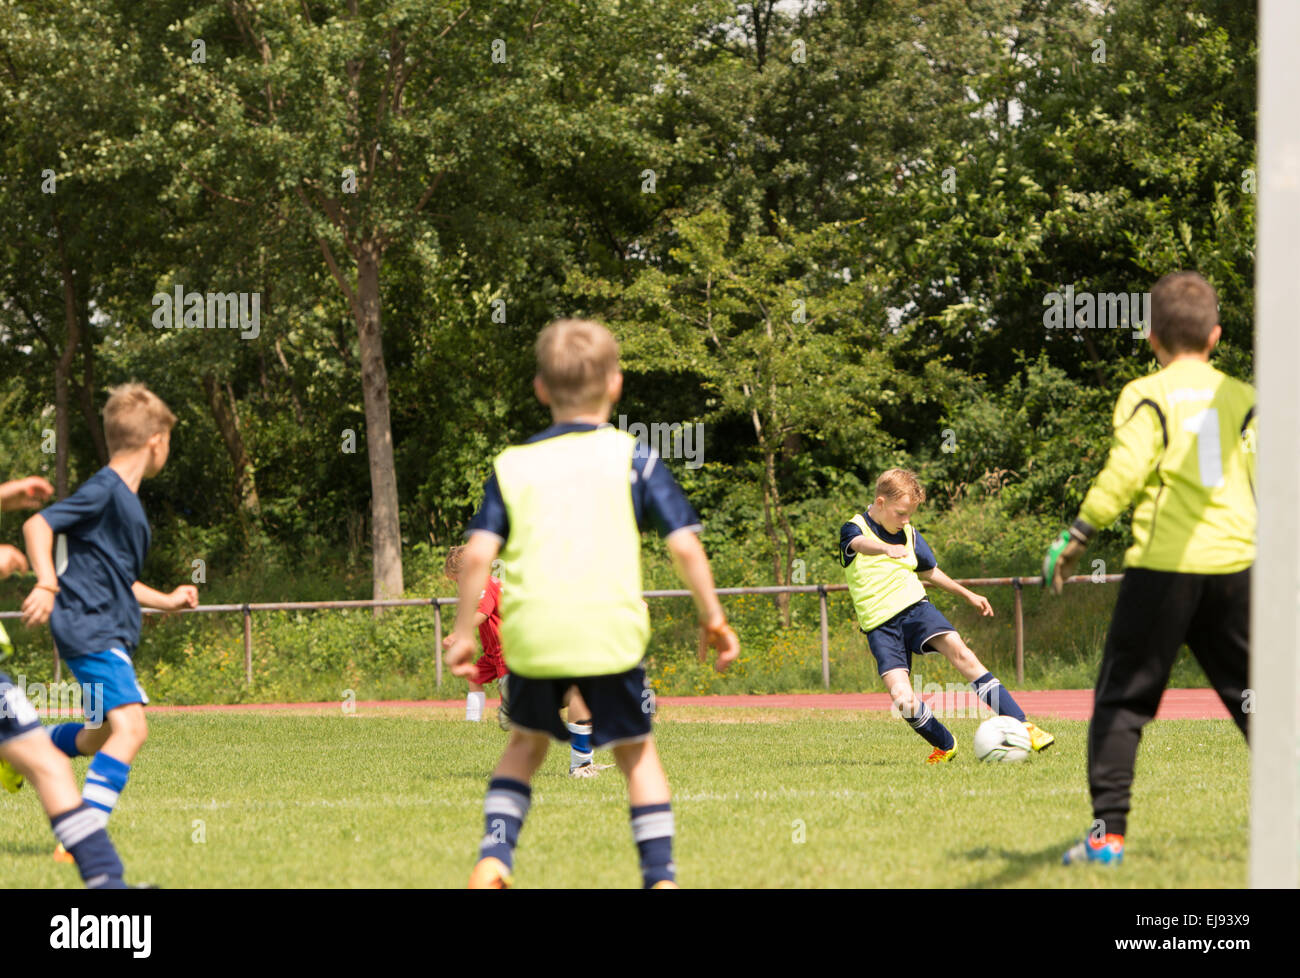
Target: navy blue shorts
18	717
621	706
894	642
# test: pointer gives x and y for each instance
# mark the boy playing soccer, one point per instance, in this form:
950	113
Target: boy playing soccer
491	666
93	603
25	749
1183	453
885	559
487	618
568	505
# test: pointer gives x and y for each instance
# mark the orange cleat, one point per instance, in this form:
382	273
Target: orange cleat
490	873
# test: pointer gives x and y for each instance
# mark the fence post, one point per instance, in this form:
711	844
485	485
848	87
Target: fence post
826	650
437	639
248	644
1020	635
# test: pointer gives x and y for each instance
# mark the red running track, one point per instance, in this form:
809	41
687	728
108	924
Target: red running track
1068	704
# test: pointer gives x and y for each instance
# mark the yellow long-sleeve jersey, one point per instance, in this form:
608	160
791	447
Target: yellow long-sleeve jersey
1184	448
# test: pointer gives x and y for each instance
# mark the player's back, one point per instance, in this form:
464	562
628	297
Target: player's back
572	605
1196	510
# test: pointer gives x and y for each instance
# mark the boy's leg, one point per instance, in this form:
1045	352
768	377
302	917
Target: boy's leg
578	720
987	686
651	811
1219	637
918	715
1146	632
74	823
621	706
474	701
505	807
535	716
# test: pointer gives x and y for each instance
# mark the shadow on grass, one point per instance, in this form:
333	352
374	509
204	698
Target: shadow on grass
1021	864
15	849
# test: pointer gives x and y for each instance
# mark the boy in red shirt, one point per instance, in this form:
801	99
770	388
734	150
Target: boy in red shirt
490	666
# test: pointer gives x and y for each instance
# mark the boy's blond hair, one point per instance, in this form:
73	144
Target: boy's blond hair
898	484
132	416
575	358
455	561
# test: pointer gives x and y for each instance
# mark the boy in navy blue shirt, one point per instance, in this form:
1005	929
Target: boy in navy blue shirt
92	600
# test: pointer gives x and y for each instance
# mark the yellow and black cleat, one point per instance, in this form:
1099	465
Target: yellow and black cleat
9	777
1039	739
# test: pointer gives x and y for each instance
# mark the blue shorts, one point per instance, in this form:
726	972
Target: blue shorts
18	717
907	632
621	706
107	679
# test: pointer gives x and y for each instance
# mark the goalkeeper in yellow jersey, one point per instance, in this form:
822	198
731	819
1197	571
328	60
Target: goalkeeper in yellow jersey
1183	454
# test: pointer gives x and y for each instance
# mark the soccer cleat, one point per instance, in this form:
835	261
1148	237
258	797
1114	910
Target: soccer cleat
587	770
1039	739
490	873
1108	852
9	777
941	756
61	855
665	885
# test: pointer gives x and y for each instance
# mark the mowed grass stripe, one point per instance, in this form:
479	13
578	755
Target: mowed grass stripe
783	799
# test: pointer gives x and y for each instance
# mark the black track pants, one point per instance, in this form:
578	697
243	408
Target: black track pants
1156	613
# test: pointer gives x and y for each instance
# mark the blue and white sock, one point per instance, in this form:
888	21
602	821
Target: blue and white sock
104	783
652	828
580	744
81	832
928	726
993	695
65	737
504	810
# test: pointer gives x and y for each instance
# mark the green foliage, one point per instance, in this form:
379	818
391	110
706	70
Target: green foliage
836	220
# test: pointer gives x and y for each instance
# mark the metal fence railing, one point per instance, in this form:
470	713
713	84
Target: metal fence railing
821	590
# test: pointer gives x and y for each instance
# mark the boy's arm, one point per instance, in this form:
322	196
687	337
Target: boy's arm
942	580
1139	439
1138	442
869	545
692	566
26	493
448	640
185	596
39	539
480	550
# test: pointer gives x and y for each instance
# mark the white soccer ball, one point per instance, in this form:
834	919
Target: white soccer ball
1002	739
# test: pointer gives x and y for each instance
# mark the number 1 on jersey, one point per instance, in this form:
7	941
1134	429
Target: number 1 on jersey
1209	455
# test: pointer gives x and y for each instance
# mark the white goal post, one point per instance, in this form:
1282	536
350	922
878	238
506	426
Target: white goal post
1275	611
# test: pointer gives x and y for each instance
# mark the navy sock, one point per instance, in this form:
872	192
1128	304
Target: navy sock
82	833
652	828
928	726
504	810
65	737
993	695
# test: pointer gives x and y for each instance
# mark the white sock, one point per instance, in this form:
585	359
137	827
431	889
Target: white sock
474	706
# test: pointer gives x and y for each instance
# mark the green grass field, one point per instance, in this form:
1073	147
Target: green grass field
763	798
